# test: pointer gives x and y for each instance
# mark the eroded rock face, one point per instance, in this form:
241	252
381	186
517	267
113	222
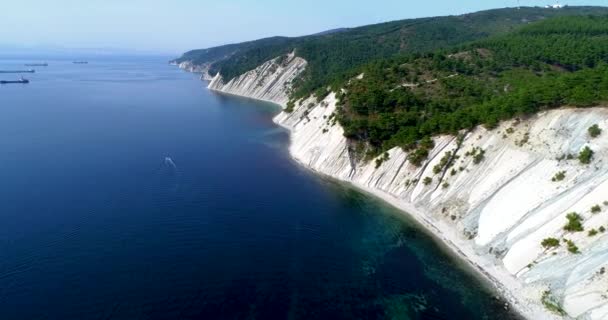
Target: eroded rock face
270	81
496	212
202	69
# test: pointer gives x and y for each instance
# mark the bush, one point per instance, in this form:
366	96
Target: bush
592	233
596	209
478	158
427	181
290	106
602	229
574	223
443	162
586	155
594	131
379	161
551	305
559	176
418	156
550	243
445	185
572	248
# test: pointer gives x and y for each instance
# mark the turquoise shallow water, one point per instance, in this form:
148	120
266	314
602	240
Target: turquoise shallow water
96	223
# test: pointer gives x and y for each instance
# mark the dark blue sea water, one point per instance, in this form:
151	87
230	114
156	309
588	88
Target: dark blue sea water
128	191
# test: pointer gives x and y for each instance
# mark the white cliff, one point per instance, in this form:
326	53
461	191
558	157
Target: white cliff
494	213
497	212
194	68
269	82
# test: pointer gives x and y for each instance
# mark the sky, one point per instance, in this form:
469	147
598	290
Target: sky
175	26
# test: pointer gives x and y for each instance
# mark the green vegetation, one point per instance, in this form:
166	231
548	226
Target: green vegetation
550	243
592	233
561	175
443	163
572	248
602	229
586	155
557	62
594	131
596	209
335	57
427	181
574	223
379	161
549	302
290	106
442	75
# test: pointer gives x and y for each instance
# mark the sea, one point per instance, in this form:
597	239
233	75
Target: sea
130	191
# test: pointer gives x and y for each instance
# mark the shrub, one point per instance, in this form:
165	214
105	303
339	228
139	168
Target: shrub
586	155
594	131
602	229
479	156
551	305
550	243
427	181
477	153
572	248
379	161
290	106
596	209
445	185
574	223
417	156
592	233
443	162
559	176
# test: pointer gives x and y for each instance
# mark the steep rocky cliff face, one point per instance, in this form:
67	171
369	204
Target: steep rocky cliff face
493	196
270	81
496	208
191	67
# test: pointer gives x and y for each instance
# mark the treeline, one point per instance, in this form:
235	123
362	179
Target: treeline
335	57
400	102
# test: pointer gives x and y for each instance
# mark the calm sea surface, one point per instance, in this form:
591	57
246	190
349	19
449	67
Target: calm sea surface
128	191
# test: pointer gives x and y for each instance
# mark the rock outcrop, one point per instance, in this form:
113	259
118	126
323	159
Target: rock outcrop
496	200
269	82
497	208
194	68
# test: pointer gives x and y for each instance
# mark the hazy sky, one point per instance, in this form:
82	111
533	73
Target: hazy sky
173	26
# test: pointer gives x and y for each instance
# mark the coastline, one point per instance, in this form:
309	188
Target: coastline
499	281
473	218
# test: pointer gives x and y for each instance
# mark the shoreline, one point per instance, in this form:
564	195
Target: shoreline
496	279
472	262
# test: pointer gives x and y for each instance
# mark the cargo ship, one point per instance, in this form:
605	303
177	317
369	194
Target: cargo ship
36	64
21	80
18	71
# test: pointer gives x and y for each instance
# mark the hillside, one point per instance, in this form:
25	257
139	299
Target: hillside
334	57
400	102
496	145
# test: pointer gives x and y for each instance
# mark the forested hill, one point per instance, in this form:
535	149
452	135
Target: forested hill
336	56
403	101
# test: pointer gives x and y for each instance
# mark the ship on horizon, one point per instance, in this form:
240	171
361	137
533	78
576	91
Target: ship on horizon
18	71
21	80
